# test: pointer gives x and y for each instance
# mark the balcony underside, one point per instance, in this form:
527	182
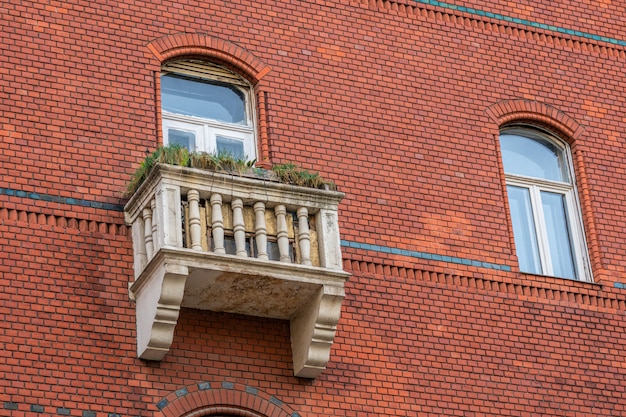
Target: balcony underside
309	297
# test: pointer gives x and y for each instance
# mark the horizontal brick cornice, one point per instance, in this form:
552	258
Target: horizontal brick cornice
548	290
476	19
213	48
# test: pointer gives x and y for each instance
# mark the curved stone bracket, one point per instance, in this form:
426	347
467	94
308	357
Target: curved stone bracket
313	331
158	298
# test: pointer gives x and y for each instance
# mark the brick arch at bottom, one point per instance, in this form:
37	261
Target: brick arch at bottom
222	411
223	399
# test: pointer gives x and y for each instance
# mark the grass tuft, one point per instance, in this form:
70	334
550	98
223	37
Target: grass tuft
178	155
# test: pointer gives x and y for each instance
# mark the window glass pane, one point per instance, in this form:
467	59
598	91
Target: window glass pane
273	253
231	247
230	147
524	230
202	98
182	138
559	237
536	158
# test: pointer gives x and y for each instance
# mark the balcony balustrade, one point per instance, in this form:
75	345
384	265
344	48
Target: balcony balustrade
236	244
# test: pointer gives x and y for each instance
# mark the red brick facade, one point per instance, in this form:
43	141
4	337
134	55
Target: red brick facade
400	104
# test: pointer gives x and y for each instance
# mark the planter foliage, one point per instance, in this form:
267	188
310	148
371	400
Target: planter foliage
287	173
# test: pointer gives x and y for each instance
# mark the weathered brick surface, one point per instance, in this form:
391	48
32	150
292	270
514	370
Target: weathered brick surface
399	103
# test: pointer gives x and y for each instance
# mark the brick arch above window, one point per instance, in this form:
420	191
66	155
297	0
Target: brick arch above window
224	399
212	48
529	111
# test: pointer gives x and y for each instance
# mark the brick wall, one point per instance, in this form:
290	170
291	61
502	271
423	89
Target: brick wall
392	101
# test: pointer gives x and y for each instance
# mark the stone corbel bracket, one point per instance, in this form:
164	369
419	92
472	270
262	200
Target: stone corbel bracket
158	298
313	331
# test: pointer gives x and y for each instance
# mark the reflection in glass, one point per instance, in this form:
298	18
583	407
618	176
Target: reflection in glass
559	238
182	138
202	98
230	147
524	229
535	158
230	246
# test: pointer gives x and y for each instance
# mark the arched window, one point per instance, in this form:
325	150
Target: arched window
545	212
207	108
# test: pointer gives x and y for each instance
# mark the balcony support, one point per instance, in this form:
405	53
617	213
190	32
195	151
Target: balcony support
311	304
313	330
158	299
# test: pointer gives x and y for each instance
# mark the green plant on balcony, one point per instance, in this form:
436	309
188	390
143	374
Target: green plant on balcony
287	173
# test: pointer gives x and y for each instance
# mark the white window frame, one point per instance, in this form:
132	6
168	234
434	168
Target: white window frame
207	130
573	219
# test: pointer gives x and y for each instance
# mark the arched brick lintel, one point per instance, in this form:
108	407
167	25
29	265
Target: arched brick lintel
521	110
231	399
198	44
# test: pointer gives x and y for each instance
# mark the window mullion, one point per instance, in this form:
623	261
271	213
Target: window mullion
209	139
540	227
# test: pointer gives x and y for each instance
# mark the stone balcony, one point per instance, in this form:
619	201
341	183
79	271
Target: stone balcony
240	245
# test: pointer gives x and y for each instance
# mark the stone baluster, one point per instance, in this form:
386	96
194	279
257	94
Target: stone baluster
147	223
195	228
239	227
217	224
304	239
155	241
260	230
281	233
